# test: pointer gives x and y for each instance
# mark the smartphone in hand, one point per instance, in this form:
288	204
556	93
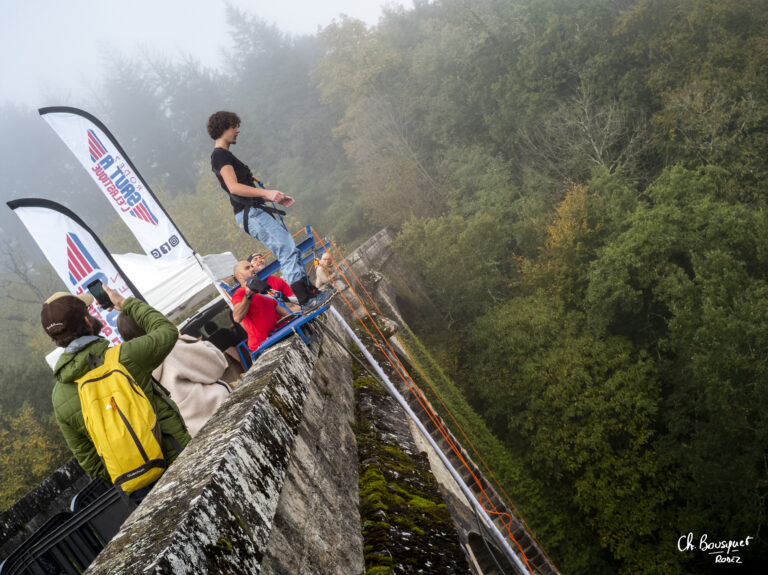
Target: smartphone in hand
96	289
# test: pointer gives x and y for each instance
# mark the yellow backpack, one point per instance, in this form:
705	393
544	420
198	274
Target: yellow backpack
122	424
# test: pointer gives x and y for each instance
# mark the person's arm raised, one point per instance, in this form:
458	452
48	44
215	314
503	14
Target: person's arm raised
240	309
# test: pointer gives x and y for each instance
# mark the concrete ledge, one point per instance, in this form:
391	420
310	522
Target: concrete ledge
317	524
213	510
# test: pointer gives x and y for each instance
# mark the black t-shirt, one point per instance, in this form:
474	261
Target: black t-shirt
220	158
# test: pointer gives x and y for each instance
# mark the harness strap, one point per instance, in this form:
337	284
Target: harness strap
271	211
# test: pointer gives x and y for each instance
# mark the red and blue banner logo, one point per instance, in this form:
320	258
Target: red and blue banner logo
82	268
119	181
143	212
80	263
95	147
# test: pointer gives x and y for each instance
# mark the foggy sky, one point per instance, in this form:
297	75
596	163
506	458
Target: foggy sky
51	50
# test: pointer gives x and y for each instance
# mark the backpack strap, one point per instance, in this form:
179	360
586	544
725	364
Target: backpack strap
165	395
174	443
94	361
112	355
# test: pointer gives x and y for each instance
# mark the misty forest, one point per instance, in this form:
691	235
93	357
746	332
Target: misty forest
582	188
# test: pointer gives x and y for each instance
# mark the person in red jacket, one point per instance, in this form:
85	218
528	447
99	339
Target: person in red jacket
278	284
258	314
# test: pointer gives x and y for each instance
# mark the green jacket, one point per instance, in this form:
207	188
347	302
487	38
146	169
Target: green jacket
139	356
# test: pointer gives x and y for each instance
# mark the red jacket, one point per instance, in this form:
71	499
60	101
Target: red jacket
260	319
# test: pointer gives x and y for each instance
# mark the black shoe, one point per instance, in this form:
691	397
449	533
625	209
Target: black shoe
301	292
312	289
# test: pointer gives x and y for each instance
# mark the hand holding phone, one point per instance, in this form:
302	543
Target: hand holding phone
96	289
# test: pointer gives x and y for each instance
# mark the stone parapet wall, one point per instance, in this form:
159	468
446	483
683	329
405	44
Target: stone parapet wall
50	497
258	490
374	253
398	296
270	485
317	517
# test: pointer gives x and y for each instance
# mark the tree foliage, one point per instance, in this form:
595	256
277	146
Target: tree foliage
29	450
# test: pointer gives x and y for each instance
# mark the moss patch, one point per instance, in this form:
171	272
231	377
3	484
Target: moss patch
285	410
405	525
373	386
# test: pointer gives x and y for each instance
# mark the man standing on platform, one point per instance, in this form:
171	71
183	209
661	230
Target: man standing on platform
252	213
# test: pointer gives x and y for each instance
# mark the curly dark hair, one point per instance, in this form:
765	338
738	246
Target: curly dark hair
220	122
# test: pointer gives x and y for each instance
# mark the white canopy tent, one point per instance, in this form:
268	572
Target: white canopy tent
174	289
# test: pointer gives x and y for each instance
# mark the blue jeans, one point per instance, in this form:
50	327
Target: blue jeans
272	234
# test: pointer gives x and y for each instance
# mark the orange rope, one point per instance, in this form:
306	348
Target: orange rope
433	417
448	411
480	457
418	394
